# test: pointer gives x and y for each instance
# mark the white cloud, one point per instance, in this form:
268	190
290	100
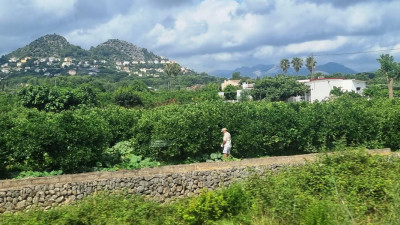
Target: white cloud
316	46
264	51
210	33
57	7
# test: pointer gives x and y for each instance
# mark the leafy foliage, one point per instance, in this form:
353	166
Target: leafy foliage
230	92
128	99
297	63
54	99
278	88
285	65
311	63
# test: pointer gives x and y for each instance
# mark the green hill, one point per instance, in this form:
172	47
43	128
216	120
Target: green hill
121	50
47	46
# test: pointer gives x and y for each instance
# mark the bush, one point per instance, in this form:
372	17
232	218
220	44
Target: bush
128	99
208	206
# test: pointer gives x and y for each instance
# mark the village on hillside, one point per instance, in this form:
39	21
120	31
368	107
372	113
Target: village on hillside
53	66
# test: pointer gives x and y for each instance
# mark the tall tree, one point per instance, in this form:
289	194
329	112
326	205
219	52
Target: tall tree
311	63
285	65
236	76
389	69
171	69
297	63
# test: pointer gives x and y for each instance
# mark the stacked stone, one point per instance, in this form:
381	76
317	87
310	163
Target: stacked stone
160	187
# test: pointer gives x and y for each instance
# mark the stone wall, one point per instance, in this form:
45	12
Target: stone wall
159	183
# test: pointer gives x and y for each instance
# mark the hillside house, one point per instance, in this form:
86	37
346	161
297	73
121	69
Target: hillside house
72	72
4	65
118	63
64	64
235	83
126	69
245	87
5	70
320	88
142	62
25	59
19	64
135	62
125	63
67	59
13	59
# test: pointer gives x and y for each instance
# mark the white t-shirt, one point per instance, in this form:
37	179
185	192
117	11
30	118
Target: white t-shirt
227	139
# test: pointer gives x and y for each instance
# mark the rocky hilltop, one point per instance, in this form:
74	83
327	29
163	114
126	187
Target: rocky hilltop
123	50
47	46
53	55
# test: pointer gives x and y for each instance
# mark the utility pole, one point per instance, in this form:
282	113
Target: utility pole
312	66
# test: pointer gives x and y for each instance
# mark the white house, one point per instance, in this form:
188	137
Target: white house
320	89
235	83
245	87
13	59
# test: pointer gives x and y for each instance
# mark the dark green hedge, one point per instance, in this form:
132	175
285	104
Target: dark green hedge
75	141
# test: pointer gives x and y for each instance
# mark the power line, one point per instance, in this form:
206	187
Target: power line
360	52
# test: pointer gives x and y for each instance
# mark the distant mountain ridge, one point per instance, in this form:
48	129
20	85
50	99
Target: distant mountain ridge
273	70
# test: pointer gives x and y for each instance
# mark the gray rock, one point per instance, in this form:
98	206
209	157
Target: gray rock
20	205
59	199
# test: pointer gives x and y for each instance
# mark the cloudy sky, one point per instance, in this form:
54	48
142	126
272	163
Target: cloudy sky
206	35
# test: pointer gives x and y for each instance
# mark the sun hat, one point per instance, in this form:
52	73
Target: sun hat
223	129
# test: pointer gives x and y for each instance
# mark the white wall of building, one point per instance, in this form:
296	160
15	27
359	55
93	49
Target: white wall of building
320	88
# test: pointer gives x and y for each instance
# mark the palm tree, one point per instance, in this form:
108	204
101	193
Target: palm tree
297	64
285	65
389	70
171	69
310	63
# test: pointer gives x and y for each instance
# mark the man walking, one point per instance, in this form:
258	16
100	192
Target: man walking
226	143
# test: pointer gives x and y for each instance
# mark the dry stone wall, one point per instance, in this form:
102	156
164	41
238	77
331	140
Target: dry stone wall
161	183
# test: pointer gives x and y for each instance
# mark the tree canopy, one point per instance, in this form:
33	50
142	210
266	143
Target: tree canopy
285	65
278	88
297	63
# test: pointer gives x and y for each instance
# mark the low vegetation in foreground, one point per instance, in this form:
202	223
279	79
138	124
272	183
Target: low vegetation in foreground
344	188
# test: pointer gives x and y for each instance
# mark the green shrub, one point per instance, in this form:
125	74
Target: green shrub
128	99
25	174
208	206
